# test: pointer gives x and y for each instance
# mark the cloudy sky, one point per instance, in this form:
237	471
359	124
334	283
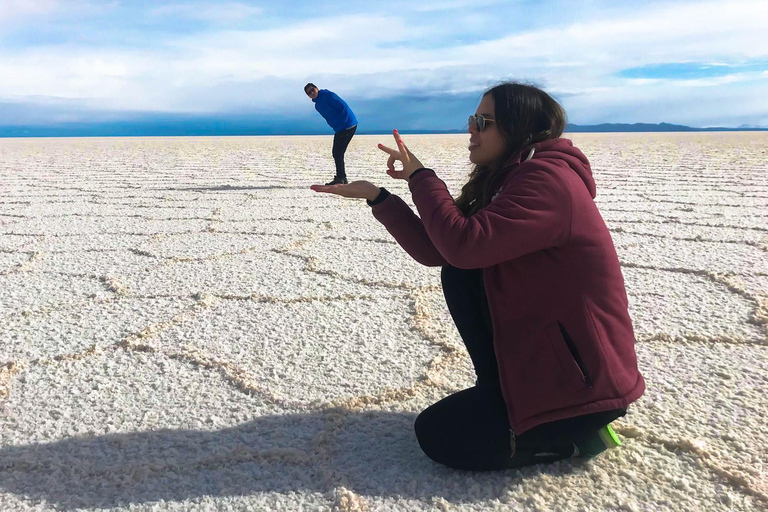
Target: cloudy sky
400	63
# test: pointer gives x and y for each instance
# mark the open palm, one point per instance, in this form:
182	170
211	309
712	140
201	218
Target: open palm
356	189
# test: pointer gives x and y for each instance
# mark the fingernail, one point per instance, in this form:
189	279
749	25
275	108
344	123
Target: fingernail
399	141
395	130
381	145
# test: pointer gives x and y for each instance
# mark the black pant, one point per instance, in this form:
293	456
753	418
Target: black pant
340	143
470	429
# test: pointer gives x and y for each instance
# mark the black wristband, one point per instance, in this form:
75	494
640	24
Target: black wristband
417	171
383	194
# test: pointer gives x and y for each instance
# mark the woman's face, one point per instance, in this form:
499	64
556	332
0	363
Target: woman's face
486	147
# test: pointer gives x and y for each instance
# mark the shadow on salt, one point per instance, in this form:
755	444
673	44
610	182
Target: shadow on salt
371	453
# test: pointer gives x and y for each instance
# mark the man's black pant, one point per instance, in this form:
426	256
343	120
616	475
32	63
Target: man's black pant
340	143
470	429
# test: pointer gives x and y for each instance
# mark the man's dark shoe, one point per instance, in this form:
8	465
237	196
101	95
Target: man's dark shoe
338	181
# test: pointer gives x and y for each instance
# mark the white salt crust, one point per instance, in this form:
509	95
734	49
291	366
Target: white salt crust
184	325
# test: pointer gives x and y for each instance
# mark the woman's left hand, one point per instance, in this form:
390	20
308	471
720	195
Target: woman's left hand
356	189
409	161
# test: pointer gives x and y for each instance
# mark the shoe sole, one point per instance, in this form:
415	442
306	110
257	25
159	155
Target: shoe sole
609	437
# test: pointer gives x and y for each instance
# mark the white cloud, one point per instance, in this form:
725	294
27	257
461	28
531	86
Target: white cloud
18	8
223	12
376	55
453	5
667	34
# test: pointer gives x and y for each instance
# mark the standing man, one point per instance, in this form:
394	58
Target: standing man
340	117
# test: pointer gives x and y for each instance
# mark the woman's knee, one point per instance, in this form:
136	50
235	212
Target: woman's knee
423	425
427	431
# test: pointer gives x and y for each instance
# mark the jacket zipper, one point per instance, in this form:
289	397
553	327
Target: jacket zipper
575	354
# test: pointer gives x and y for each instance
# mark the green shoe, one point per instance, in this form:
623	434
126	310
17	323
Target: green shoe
597	442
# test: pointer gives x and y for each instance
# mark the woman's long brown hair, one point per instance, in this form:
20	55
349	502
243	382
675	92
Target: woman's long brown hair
524	115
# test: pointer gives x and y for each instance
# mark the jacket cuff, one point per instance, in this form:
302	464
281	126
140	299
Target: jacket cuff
383	194
418	175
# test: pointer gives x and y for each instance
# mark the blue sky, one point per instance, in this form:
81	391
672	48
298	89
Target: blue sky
411	65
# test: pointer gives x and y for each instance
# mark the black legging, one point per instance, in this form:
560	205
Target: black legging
470	429
340	142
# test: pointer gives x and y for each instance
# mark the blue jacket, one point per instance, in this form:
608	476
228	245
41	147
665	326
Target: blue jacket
335	110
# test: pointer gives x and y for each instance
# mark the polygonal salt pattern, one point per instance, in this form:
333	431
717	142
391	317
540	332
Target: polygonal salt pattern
711	400
33	291
693	231
10	262
11	243
691	255
280	227
710	395
434	318
73	330
636	477
683	304
316	351
120	428
358	225
393	475
327	210
211	245
117	391
9	220
186	326
93	262
756	286
96	225
370	261
91	242
266	274
714	219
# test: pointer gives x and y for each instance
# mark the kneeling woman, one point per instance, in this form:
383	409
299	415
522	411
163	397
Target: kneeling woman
532	281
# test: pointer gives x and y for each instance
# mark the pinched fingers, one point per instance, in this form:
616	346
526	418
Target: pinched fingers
394	155
391	162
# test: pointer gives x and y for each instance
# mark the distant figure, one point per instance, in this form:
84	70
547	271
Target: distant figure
340	117
532	281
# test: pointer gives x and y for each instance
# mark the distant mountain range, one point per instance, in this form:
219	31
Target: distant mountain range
622	127
635	127
649	127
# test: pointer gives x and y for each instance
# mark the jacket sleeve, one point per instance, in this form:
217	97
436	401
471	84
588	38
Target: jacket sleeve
532	212
408	230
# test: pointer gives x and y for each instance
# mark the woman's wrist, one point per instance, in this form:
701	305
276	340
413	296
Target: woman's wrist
417	171
380	197
373	194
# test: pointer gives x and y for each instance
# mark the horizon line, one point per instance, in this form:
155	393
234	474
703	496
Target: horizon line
580	129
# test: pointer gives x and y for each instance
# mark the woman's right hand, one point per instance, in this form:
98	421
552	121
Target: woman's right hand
408	159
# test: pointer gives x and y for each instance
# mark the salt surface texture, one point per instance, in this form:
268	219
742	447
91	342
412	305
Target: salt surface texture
184	325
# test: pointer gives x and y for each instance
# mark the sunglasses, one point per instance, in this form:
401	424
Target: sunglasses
479	121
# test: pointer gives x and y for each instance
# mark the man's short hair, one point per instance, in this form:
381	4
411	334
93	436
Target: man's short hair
308	86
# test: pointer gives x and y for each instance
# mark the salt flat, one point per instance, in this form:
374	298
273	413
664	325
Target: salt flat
184	325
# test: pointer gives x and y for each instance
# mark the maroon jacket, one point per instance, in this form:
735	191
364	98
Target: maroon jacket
561	330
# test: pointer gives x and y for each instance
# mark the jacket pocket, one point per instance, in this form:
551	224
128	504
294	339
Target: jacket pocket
575	355
568	354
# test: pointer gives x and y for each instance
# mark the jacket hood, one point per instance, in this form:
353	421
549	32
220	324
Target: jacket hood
561	149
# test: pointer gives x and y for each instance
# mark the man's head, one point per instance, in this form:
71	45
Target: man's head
311	90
